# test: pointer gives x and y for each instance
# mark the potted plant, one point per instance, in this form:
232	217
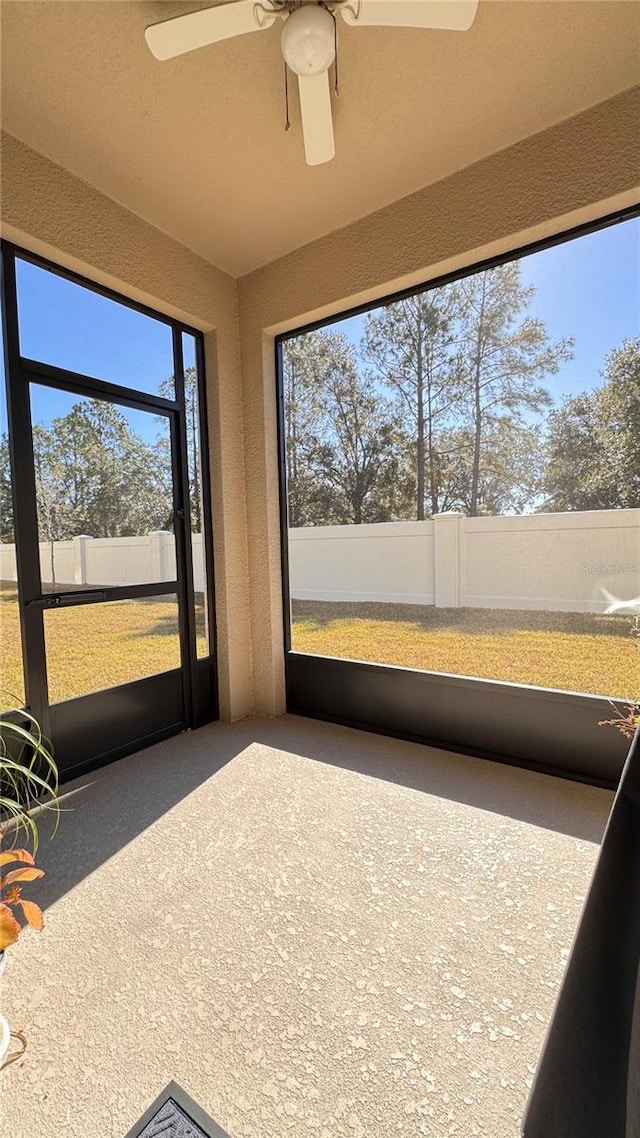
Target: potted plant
28	785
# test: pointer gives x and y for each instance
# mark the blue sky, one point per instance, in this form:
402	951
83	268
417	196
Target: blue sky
63	324
588	288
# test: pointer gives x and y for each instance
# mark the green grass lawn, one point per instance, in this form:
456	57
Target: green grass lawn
96	646
581	652
99	646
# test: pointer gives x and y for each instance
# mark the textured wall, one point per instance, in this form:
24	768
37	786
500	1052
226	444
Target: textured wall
575	171
47	210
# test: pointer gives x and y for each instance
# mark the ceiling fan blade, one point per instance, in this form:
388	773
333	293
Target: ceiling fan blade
449	15
209	25
317	121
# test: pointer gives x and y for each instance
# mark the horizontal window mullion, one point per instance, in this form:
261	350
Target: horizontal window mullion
62	379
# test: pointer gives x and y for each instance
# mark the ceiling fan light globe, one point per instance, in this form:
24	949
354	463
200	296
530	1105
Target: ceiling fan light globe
308	40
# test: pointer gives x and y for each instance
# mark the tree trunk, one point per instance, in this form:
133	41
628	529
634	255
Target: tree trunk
477	406
420	425
292	451
475	473
433	480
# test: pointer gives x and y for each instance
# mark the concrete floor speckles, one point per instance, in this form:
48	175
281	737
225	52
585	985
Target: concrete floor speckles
316	932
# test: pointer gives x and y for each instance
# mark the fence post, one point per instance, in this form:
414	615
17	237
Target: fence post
447	567
80	558
160	545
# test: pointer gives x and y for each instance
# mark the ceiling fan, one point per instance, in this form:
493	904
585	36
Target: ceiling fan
309	39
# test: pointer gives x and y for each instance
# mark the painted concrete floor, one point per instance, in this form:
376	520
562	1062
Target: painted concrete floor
314	931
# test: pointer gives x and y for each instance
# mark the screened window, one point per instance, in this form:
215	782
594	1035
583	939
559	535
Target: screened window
463	474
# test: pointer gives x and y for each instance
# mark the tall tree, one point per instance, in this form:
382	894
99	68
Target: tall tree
510	471
56	518
573	452
504	354
360	456
6	499
412	347
618	402
96	476
592	453
306	360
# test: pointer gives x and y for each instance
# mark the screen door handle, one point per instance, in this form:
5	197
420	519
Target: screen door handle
59	600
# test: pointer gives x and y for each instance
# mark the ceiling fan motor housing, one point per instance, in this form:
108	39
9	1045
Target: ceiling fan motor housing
308	40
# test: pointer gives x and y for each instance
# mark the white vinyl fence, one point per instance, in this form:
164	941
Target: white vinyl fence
109	560
571	562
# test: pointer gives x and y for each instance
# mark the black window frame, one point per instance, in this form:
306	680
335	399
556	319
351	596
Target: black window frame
542	729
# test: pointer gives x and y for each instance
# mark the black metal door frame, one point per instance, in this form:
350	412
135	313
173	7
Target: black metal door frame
104	725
